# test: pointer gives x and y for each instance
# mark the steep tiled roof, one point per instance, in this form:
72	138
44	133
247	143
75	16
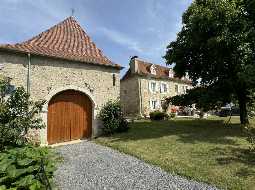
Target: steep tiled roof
66	40
143	68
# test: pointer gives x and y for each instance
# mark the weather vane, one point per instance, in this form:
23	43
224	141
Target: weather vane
72	11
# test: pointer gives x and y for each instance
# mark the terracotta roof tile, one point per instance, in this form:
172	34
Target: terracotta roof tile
161	72
66	40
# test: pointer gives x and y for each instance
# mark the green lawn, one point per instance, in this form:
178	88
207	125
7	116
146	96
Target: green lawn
203	150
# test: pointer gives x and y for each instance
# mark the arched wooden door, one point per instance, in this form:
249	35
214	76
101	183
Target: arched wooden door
69	117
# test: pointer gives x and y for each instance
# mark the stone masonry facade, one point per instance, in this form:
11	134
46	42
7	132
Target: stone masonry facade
137	96
50	76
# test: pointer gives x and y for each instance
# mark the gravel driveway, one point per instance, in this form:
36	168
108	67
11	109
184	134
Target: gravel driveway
91	166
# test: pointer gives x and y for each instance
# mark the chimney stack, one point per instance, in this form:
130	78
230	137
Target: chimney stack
133	64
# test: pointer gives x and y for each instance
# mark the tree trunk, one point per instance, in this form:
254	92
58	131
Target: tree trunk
242	100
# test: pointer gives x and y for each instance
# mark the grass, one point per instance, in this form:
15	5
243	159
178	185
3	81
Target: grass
204	150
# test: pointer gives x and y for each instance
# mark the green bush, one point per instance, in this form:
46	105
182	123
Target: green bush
172	115
26	168
18	114
158	115
112	118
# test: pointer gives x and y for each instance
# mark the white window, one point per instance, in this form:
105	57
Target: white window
155	104
183	89
153	70
164	88
153	86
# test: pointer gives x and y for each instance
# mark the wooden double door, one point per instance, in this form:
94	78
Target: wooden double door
69	117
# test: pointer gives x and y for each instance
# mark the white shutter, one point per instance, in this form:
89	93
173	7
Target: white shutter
158	104
167	88
149	87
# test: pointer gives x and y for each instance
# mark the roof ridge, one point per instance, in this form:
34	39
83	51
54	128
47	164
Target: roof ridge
147	62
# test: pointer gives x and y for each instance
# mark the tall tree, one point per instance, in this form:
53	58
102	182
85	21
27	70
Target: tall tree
216	47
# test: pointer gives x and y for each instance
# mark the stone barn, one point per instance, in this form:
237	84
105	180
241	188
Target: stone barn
65	68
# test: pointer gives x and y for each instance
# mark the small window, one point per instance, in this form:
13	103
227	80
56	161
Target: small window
183	89
153	86
153	104
113	80
163	88
10	89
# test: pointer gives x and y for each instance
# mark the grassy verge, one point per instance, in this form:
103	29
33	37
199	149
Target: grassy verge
203	150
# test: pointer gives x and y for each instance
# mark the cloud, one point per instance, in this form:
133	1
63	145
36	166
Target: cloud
122	39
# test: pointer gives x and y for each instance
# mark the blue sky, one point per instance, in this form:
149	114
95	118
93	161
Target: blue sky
120	28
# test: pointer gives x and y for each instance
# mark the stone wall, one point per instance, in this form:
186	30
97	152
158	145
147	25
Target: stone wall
147	95
135	104
48	75
129	96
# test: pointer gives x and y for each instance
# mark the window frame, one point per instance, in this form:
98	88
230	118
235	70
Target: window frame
151	102
150	86
161	87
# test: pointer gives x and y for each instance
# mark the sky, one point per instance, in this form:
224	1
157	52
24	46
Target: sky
121	29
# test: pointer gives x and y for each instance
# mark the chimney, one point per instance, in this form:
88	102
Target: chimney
133	64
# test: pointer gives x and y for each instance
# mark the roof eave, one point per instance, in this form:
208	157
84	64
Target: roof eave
157	77
119	67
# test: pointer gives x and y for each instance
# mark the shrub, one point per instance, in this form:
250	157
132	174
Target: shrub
27	168
112	118
18	115
172	115
158	115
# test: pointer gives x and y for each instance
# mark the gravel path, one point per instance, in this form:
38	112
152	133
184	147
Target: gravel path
91	166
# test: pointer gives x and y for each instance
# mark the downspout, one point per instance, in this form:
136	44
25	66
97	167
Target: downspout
28	73
140	96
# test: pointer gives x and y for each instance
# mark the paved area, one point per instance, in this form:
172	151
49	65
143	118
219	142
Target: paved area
90	166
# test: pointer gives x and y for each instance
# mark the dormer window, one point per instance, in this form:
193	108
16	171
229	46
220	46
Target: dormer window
171	73
153	70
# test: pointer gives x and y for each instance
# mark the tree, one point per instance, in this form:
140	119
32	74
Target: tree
216	48
18	114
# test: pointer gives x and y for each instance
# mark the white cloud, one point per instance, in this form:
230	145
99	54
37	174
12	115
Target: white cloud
122	39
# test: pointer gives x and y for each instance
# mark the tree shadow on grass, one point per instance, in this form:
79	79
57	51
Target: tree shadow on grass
232	155
186	131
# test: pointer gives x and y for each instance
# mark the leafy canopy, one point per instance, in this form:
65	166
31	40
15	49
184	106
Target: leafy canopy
216	47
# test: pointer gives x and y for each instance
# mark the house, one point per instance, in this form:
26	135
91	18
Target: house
65	68
145	86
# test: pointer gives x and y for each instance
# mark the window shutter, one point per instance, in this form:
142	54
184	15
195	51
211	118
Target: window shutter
158	104
149	86
167	88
